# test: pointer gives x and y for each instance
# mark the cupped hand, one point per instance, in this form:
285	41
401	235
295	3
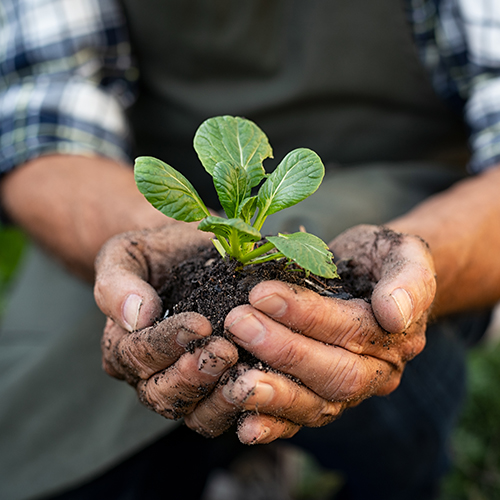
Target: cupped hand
341	351
154	356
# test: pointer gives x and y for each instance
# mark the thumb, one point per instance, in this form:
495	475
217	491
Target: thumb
407	286
121	289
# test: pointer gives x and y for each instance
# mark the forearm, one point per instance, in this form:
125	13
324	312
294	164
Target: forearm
462	227
73	204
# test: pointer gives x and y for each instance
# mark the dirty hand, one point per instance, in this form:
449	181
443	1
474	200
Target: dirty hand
341	351
151	356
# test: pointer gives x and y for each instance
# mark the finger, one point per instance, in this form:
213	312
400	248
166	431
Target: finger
214	415
266	393
174	392
140	354
121	289
274	394
112	335
332	372
348	324
401	265
407	286
132	266
257	428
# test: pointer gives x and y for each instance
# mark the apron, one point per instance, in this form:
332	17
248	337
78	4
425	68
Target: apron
340	77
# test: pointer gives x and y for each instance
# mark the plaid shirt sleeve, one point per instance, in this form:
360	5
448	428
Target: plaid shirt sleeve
64	79
459	42
481	35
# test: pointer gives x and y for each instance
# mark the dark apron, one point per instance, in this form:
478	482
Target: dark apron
340	77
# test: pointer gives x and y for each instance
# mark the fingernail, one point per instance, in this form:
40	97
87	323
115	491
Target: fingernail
264	431
248	329
184	337
130	311
273	305
210	363
262	394
227	392
403	301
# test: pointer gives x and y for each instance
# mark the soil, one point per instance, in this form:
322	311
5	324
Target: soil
212	286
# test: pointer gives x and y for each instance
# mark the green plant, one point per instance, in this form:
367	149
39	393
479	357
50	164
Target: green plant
232	150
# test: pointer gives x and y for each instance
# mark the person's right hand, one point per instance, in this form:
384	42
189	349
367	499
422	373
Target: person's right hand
151	355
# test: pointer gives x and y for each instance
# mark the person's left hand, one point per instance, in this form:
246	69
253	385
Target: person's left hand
341	351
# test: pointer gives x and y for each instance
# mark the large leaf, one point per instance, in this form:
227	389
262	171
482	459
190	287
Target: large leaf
233	139
168	190
225	227
308	251
298	176
232	184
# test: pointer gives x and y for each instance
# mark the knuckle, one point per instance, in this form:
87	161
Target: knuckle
390	385
313	313
152	396
347	382
195	424
134	356
287	356
326	413
413	348
188	389
109	368
102	286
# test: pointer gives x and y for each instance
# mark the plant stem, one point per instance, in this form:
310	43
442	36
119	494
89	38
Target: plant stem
266	258
234	243
259	221
224	244
257	252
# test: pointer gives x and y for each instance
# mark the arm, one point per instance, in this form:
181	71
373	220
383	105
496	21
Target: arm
73	204
462	227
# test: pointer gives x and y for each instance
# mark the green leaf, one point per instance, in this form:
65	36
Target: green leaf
247	209
225	227
232	184
308	251
295	178
168	190
233	139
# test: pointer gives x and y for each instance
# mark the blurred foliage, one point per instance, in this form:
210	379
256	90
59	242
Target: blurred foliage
476	443
12	243
314	482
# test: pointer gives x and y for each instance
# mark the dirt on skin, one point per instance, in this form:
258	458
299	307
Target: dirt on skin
212	286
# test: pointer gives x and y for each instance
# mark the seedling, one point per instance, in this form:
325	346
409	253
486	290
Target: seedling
232	151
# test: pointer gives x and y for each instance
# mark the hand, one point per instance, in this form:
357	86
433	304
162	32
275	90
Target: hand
151	356
341	351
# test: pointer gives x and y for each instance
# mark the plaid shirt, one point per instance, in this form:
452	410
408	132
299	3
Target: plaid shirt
66	75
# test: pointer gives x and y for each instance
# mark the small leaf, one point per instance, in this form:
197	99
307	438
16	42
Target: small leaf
308	251
224	227
298	176
232	184
247	209
233	139
168	190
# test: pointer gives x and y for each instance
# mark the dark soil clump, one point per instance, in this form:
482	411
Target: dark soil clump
212	286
